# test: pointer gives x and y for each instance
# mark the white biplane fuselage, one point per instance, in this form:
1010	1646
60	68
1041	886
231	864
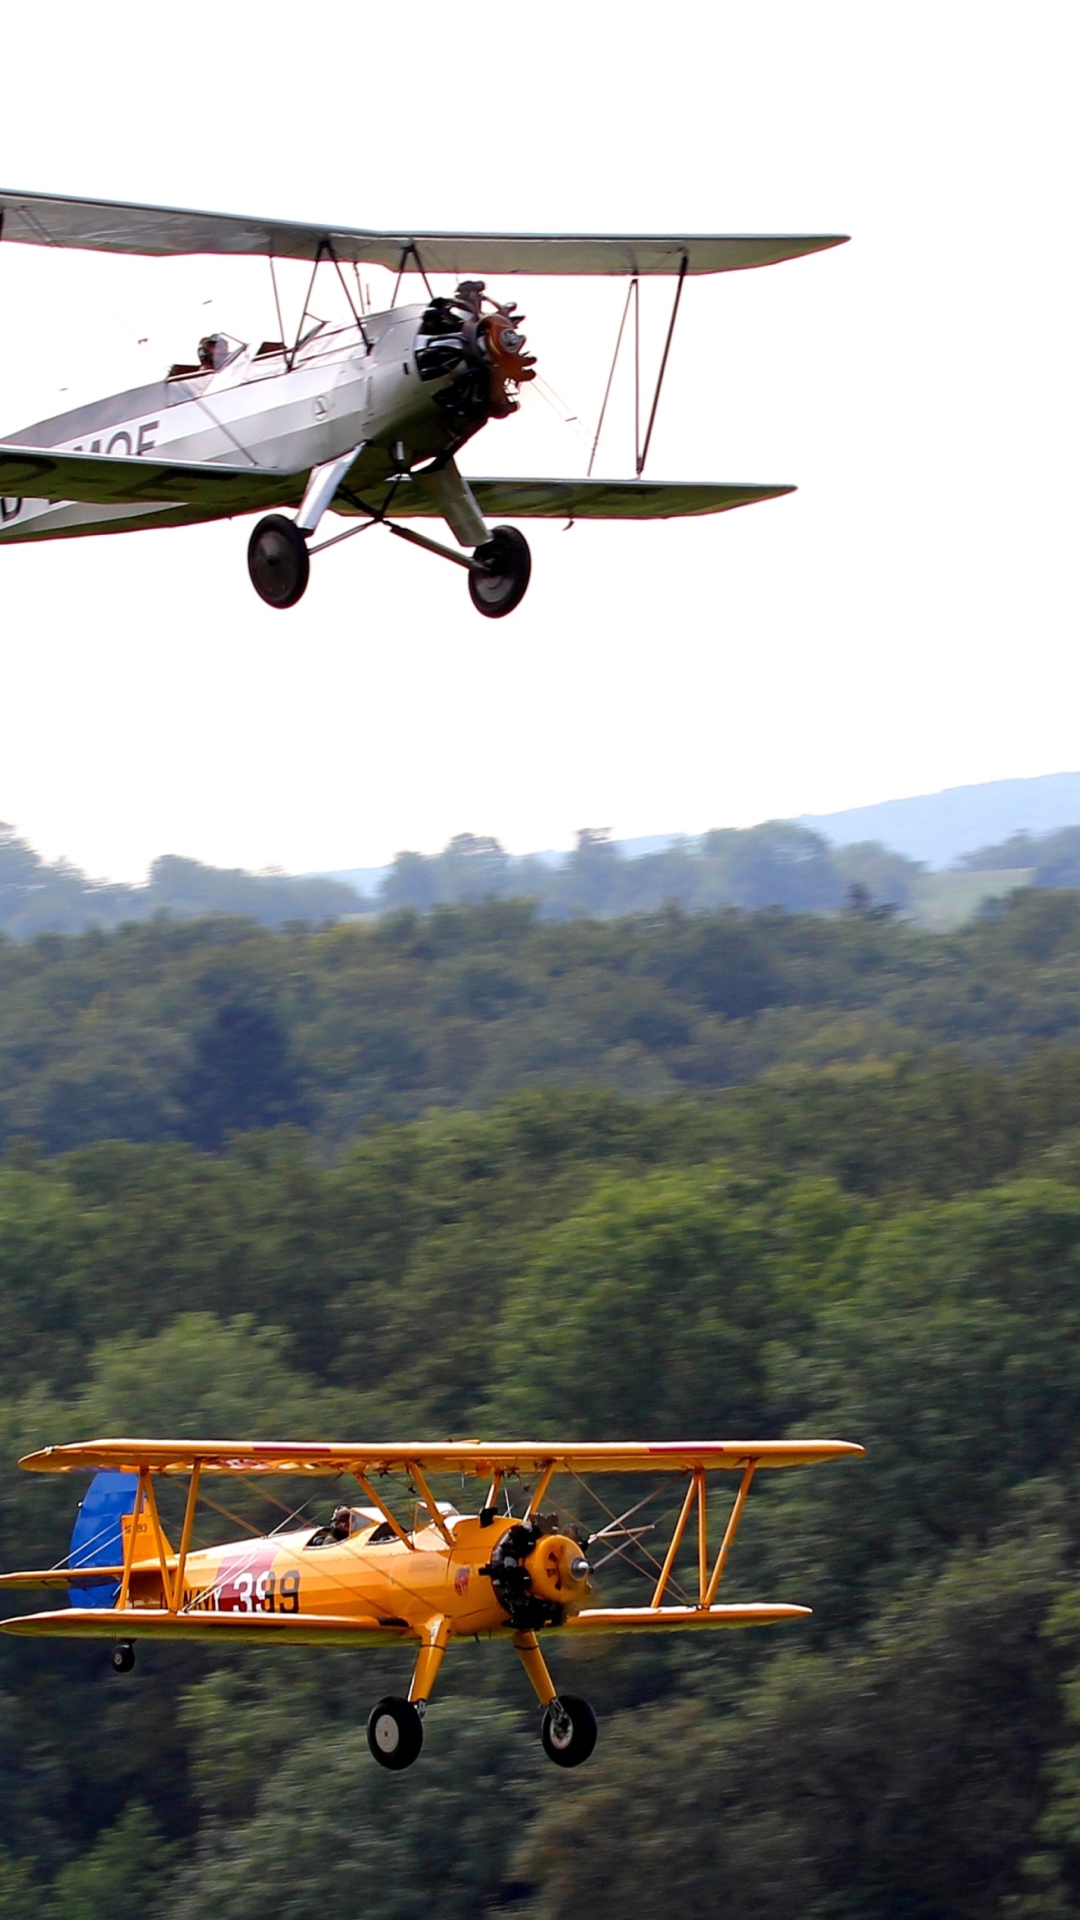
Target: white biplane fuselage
276	411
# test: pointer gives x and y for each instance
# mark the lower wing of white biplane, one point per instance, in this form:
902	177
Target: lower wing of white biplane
185	491
592	499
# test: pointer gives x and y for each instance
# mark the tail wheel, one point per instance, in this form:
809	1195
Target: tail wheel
122	1657
569	1731
278	561
507	565
395	1733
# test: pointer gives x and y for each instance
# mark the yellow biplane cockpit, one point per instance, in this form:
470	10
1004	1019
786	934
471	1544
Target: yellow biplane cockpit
348	1523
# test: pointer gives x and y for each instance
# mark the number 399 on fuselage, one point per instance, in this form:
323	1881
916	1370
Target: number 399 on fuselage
364	419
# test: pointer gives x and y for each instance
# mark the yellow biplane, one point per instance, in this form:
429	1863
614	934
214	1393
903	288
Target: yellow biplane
369	1578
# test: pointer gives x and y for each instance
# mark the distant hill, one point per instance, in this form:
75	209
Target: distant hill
936	829
939	828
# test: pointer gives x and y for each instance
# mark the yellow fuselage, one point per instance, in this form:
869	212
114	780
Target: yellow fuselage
393	1583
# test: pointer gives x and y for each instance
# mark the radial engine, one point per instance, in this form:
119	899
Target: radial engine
481	347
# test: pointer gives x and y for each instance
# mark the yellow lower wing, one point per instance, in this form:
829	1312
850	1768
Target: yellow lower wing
243	1629
676	1619
248	1629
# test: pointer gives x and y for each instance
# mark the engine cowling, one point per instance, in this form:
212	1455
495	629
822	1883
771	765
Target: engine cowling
539	1573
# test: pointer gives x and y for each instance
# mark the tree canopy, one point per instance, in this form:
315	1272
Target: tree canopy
230	1202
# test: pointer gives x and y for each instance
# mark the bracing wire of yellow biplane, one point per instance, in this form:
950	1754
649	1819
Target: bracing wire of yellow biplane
423	1579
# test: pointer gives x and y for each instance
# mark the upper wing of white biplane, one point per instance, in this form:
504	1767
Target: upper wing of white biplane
472	1457
114	226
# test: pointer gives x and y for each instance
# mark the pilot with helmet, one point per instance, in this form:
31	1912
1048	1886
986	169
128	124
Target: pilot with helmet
213	352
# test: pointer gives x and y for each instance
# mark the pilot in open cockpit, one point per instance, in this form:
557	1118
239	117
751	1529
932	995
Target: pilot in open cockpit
342	1523
213	352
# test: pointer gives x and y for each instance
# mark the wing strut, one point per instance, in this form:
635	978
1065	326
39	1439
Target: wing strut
325	247
614	363
695	1496
633	293
644	454
407	252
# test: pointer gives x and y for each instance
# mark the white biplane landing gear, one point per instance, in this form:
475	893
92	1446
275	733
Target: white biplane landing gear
278	557
278	561
497	585
122	1658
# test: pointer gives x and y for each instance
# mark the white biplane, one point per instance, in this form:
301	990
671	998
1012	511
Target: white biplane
365	419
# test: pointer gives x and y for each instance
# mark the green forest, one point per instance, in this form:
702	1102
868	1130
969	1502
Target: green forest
476	1172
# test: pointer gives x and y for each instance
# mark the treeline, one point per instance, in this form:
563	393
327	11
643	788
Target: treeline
40	896
193	1031
777	864
890	1254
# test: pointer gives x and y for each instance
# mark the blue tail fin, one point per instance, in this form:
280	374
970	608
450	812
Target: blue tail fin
98	1539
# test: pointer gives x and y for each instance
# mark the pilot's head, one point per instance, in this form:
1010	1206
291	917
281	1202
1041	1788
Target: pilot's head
213	351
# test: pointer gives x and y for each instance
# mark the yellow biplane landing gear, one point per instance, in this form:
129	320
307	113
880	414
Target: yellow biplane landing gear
395	1733
122	1657
568	1729
568	1732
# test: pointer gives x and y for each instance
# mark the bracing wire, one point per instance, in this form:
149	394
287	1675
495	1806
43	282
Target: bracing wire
610	378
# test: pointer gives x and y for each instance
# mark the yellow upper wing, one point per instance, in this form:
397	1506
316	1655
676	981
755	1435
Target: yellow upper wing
473	1457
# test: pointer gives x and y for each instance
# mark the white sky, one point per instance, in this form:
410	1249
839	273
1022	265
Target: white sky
906	621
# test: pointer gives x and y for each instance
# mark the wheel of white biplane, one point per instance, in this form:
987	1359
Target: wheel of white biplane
123	1657
395	1733
568	1732
278	561
507	565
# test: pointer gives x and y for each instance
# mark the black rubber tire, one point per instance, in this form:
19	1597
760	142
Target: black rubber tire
122	1658
507	567
278	561
570	1752
395	1733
